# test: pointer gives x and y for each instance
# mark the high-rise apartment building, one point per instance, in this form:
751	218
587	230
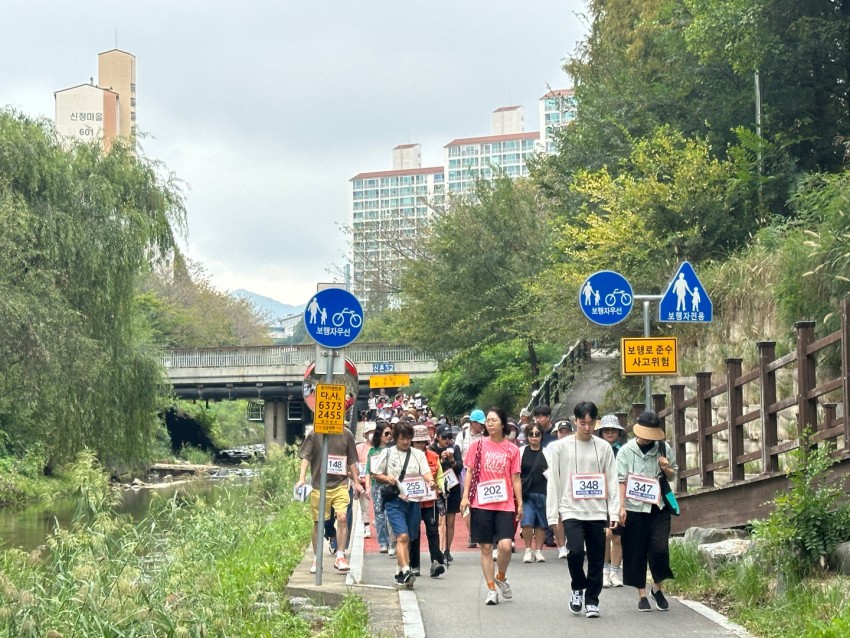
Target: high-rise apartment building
390	208
105	110
557	109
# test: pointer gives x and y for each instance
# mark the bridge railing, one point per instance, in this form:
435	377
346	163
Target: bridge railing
726	438
561	376
250	356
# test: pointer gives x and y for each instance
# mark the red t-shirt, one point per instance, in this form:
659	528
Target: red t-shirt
499	462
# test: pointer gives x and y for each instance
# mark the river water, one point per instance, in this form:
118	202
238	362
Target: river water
30	527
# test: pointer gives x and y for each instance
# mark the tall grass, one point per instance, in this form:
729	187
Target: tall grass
188	569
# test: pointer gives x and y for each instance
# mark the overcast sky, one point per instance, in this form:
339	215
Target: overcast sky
267	109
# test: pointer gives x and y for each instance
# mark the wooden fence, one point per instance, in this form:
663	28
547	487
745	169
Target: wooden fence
816	399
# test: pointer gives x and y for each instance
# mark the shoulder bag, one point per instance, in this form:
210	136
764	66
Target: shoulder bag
389	491
666	491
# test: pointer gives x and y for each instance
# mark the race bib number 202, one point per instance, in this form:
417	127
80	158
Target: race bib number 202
491	492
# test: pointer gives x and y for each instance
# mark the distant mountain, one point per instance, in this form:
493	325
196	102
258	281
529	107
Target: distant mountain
274	309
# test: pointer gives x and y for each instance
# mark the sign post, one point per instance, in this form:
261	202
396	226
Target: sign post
333	318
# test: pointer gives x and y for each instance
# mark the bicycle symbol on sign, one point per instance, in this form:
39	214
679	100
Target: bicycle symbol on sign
353	318
611	298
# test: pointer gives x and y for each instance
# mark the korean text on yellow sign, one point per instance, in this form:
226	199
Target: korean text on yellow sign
648	355
389	380
329	417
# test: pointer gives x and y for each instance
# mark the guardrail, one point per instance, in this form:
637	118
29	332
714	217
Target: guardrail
251	356
561	377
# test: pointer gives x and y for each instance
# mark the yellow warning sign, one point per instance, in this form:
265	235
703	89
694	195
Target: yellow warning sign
329	417
389	381
648	355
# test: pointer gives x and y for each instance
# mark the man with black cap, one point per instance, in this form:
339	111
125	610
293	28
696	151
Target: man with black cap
641	464
452	463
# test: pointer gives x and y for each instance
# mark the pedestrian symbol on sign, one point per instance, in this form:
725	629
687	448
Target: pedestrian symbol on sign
606	298
686	299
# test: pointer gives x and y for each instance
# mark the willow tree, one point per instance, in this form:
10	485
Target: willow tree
80	226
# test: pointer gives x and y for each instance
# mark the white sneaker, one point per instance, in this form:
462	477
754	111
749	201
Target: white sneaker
538	556
504	587
591	611
576	601
492	597
616	581
562	552
391	552
606	577
528	556
313	567
367	532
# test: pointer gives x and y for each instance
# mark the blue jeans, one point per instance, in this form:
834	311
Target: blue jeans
380	517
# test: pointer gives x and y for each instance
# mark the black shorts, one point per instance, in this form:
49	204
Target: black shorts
453	500
489	526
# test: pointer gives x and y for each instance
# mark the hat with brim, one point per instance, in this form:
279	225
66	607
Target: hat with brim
609	422
369	426
478	416
648	427
420	433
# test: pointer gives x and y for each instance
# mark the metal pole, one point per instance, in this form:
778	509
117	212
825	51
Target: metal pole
323	481
647	379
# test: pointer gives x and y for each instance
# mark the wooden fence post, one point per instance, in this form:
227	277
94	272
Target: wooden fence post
845	367
658	404
807	409
735	407
677	397
706	445
767	380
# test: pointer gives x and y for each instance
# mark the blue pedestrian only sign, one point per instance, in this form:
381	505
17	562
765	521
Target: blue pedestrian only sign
606	298
334	317
686	300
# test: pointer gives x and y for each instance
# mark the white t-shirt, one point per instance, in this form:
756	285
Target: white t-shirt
391	459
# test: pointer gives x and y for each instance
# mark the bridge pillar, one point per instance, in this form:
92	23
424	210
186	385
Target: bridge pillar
274	419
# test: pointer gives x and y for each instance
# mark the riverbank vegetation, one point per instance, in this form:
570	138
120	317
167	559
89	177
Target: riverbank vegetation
783	587
190	568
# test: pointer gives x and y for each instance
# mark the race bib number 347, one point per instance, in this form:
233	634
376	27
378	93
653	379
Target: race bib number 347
643	488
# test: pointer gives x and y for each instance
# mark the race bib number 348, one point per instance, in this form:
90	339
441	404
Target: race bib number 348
588	486
643	488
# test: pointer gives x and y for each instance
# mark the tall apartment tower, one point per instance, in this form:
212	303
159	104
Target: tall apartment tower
557	109
116	71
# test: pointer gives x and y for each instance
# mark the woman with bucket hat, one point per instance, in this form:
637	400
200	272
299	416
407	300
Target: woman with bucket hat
646	537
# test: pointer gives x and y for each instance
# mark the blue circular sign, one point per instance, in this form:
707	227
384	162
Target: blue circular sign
606	298
333	317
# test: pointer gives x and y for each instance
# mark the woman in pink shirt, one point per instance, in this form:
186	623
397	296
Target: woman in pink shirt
492	494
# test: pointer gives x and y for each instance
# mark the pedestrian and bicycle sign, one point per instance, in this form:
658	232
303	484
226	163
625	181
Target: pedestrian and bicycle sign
648	355
334	317
686	300
606	298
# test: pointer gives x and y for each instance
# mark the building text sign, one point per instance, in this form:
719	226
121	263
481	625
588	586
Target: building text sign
648	355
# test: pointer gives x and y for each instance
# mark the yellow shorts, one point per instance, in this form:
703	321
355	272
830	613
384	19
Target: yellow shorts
336	497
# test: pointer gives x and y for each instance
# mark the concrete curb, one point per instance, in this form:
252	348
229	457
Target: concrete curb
718	618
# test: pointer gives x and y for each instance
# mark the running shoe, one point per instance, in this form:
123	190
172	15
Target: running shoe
616	581
505	587
576	601
492	597
398	581
313	567
332	545
528	557
660	600
448	556
367	532
539	557
643	604
606	577
436	569
340	564
391	552
562	552
408	578
591	611
383	549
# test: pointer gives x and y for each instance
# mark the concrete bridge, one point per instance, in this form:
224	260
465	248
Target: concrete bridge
275	375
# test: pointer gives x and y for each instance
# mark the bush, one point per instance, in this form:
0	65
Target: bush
809	521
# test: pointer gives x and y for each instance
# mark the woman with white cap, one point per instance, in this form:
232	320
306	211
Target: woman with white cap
608	428
646	537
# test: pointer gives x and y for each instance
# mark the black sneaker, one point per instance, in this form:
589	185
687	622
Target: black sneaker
660	600
398	581
643	604
576	602
448	556
408	578
437	569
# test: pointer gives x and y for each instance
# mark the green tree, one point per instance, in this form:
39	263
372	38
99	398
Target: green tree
80	224
471	287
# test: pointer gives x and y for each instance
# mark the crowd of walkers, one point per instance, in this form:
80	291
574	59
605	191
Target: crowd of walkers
581	485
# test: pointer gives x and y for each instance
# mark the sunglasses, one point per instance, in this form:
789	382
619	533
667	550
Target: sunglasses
387	433
447	437
534	435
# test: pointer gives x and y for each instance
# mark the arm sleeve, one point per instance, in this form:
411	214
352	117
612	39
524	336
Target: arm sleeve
553	485
613	486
